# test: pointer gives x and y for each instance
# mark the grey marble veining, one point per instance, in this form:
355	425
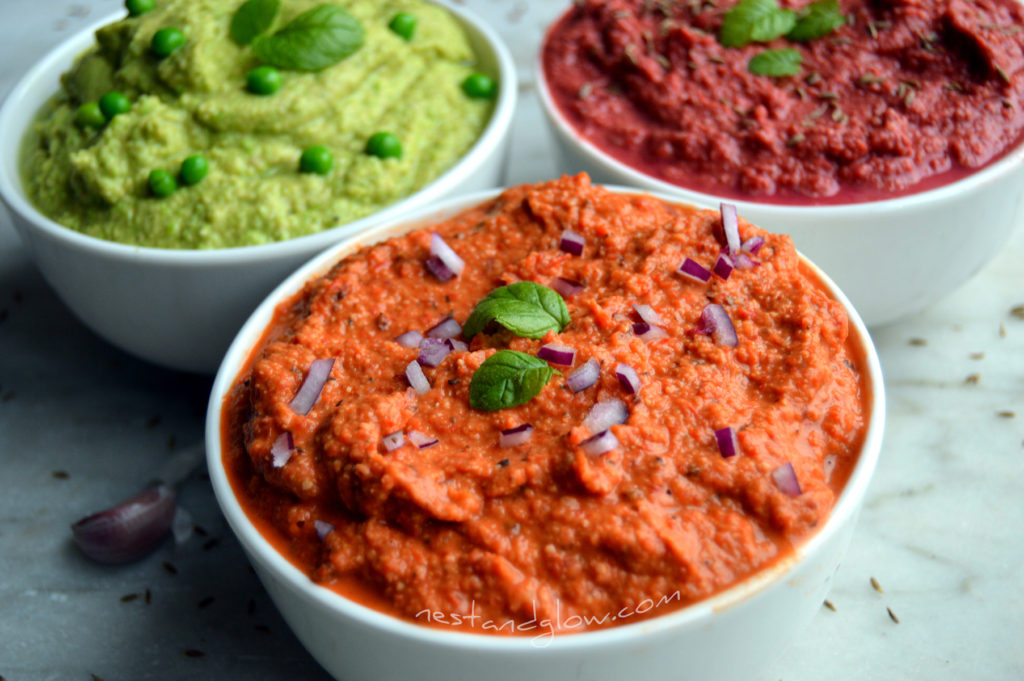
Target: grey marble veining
941	531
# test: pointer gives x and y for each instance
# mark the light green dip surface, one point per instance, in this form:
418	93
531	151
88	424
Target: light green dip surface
195	101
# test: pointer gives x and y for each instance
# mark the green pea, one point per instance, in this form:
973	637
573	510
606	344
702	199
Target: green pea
90	115
263	80
114	103
162	183
137	7
194	169
403	24
316	159
479	86
165	41
384	145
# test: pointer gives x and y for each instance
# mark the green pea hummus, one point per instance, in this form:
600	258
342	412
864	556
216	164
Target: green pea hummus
95	180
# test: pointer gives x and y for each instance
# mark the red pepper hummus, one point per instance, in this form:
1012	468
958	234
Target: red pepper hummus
545	536
904	96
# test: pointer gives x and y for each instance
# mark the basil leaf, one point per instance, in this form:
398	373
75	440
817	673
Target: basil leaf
526	309
755	21
776	63
817	20
313	40
251	19
508	379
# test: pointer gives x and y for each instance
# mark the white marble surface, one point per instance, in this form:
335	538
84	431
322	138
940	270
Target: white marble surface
942	532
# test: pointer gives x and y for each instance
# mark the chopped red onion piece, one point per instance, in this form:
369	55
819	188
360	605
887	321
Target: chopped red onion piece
785	478
443	252
456	344
628	378
648	314
606	414
417	379
438	268
649	332
600	443
182	526
422	440
742	261
557	354
433	350
715	321
309	391
323	529
571	242
566	287
129	530
731	227
694	270
723	266
727	443
281	450
752	245
585	376
448	328
409	339
513	437
394	440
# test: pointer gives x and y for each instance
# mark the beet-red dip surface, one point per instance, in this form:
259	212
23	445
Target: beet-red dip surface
905	96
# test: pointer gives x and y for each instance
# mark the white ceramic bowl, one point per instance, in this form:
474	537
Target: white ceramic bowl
892	258
180	308
730	637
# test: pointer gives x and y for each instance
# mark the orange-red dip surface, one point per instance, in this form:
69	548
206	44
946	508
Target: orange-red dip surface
905	96
471	533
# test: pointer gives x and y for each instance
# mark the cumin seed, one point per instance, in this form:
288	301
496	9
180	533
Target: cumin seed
977	355
1002	330
826	94
129	597
61	475
170	568
893	616
262	628
148	596
1006	414
205	602
95	677
917	342
584	91
813	78
973	379
876	586
829	605
192	652
210	544
1002	73
1017	311
715	58
795	140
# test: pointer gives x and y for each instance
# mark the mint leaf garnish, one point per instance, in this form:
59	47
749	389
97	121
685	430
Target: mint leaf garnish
776	63
526	309
251	19
755	21
817	20
508	379
313	40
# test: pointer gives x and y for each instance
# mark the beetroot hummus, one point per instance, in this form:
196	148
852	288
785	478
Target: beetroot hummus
902	96
728	415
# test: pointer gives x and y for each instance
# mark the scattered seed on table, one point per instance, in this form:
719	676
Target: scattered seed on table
205	602
829	605
262	627
918	342
1017	311
129	597
61	475
200	530
95	677
170	568
876	586
153	422
972	379
210	544
149	596
977	355
1002	330
192	652
1006	414
893	616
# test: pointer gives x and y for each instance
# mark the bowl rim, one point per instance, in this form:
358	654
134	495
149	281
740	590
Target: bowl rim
260	550
60	56
1010	160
